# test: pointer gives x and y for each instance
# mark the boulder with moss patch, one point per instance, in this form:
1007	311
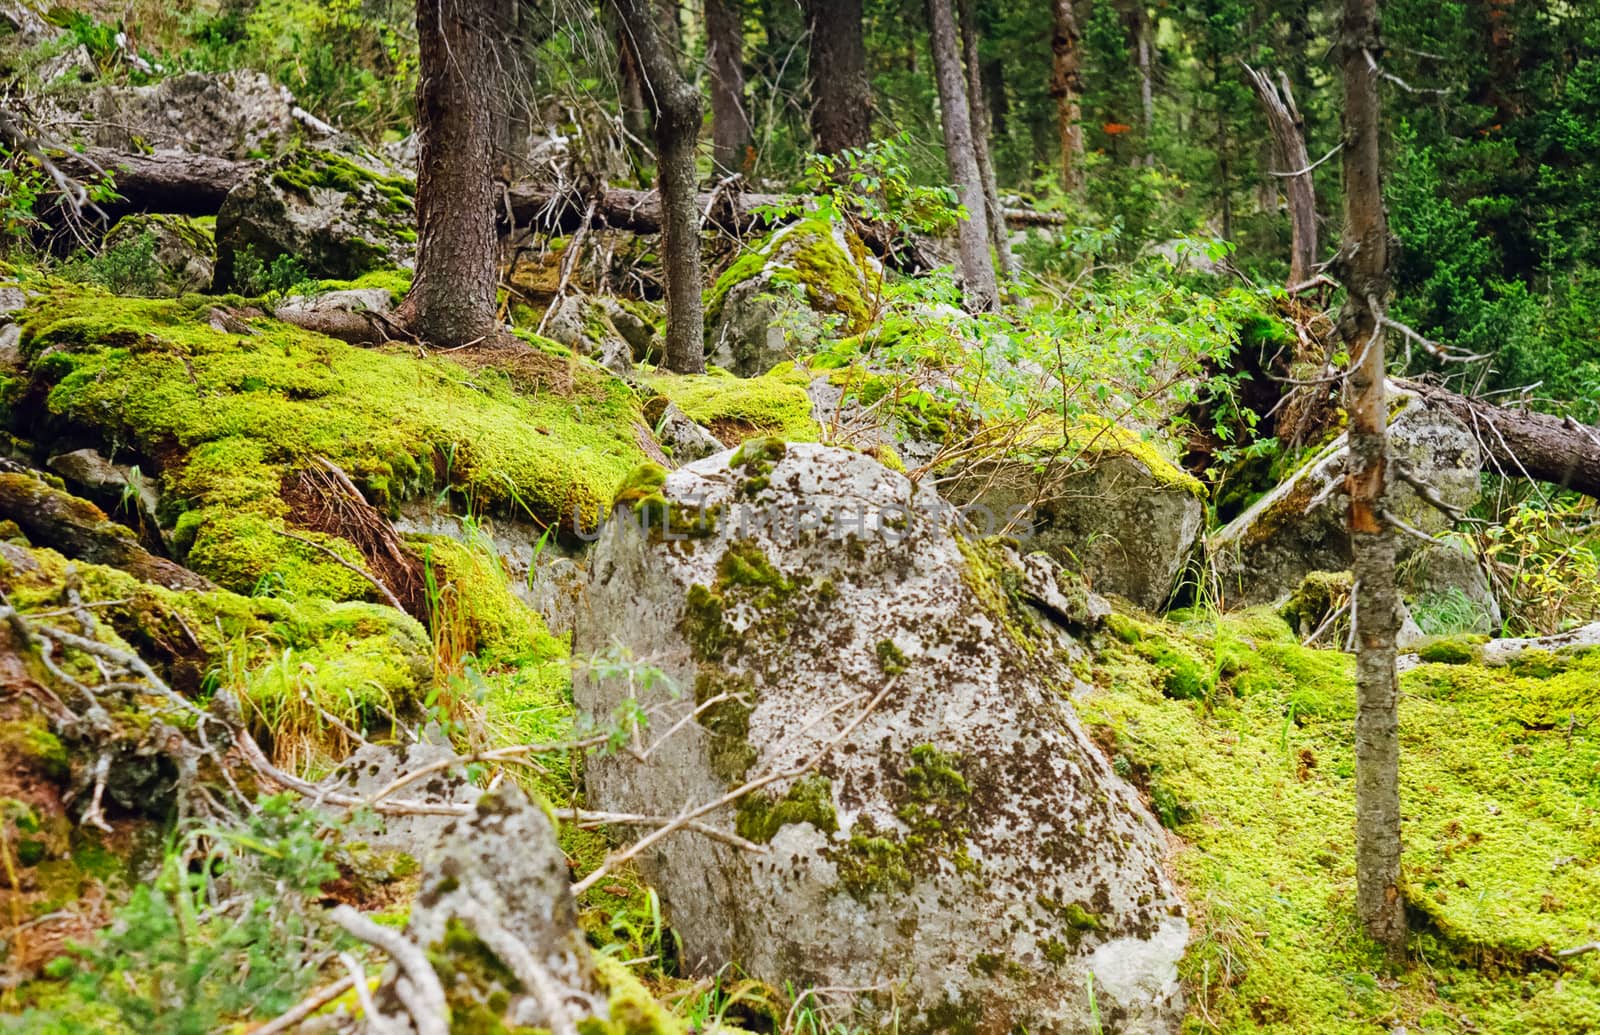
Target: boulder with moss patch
958	839
180	252
1300	526
1103	500
612	332
776	300
328	214
734	409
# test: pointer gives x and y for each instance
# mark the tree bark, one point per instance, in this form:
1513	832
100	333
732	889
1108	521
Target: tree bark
730	125
977	271
841	97
1066	86
452	297
1364	267
978	112
676	106
1288	133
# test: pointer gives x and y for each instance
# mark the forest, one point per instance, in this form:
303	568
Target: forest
799	517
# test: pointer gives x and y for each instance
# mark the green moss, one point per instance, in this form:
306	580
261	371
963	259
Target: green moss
1497	789
631	1008
890	658
932	799
30	742
810	800
834	279
229	417
737	408
1459	650
310	169
997	583
396	282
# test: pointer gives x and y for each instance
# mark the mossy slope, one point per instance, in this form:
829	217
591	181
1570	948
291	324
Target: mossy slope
1502	832
225	417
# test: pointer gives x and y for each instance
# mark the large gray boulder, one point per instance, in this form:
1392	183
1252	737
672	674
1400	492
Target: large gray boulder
1300	526
333	217
776	301
1104	502
959	845
236	114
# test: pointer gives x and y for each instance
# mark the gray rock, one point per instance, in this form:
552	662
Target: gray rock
960	840
1118	513
681	437
332	216
586	326
1299	527
12	299
228	114
98	479
1446	585
374	766
183	255
810	275
499	885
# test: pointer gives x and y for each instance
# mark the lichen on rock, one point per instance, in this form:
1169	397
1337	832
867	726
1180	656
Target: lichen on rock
962	784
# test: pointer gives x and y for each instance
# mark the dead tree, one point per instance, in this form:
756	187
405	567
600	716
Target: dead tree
1289	139
1363	264
730	124
978	110
977	270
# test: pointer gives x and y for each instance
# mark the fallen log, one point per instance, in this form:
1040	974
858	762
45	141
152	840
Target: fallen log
1526	444
162	181
195	185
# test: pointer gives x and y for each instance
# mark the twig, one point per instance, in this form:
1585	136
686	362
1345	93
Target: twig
377	1023
527	970
1578	950
388	597
617	858
1301	172
429	1010
287	1020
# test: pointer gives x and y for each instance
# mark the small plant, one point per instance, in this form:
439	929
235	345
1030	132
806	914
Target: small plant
254	278
128	267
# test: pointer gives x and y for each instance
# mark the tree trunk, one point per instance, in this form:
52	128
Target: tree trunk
730	126
676	106
977	271
1364	266
1066	86
1224	156
452	297
841	97
1288	132
1525	444
1147	103
978	111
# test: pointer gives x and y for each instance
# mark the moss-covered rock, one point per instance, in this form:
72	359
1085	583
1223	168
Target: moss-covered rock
776	300
734	409
225	418
321	212
178	252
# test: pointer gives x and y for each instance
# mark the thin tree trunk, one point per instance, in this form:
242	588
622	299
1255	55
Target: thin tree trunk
841	97
1288	133
676	106
1066	86
1147	102
977	271
452	297
730	126
978	111
1224	155
1364	266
